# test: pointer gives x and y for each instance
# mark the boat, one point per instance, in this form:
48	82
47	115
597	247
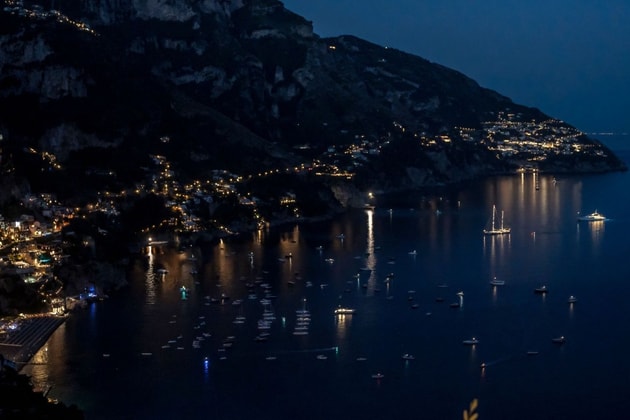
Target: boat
496	282
378	376
344	311
494	230
541	290
408	356
471	342
572	299
559	340
593	217
532	353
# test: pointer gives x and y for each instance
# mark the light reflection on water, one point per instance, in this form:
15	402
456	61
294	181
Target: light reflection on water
150	278
546	245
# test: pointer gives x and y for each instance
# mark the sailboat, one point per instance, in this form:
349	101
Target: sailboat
494	230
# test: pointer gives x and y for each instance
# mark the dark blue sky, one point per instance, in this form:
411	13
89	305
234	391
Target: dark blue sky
569	58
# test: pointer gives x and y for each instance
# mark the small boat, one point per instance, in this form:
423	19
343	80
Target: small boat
482	365
471	342
572	299
361	359
593	217
559	340
344	311
532	353
378	376
322	357
454	305
496	282
412	252
541	290
408	356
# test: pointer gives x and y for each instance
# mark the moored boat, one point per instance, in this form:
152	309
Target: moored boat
496	230
593	217
496	282
541	290
344	311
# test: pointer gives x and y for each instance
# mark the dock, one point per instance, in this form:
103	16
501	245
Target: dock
20	345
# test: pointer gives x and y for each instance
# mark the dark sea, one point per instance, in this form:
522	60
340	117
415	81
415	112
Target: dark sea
154	352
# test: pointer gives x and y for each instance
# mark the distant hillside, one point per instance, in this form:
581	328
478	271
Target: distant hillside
241	85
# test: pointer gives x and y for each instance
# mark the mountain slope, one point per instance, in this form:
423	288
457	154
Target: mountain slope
245	86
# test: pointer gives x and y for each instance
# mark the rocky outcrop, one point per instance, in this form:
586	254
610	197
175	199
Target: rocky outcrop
66	138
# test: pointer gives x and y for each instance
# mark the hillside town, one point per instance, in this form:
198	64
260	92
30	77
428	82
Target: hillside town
32	239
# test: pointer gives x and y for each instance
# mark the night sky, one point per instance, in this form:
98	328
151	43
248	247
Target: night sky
569	58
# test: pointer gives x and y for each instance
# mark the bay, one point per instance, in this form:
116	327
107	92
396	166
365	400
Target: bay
150	353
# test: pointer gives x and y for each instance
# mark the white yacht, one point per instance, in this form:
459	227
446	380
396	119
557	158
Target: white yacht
593	217
344	311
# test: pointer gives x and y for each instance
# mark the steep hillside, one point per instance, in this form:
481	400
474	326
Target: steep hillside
244	86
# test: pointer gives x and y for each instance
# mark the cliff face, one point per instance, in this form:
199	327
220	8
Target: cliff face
219	76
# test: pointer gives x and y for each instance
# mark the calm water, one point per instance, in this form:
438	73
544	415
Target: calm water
95	360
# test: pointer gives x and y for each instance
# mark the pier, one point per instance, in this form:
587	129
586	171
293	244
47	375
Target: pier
19	345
